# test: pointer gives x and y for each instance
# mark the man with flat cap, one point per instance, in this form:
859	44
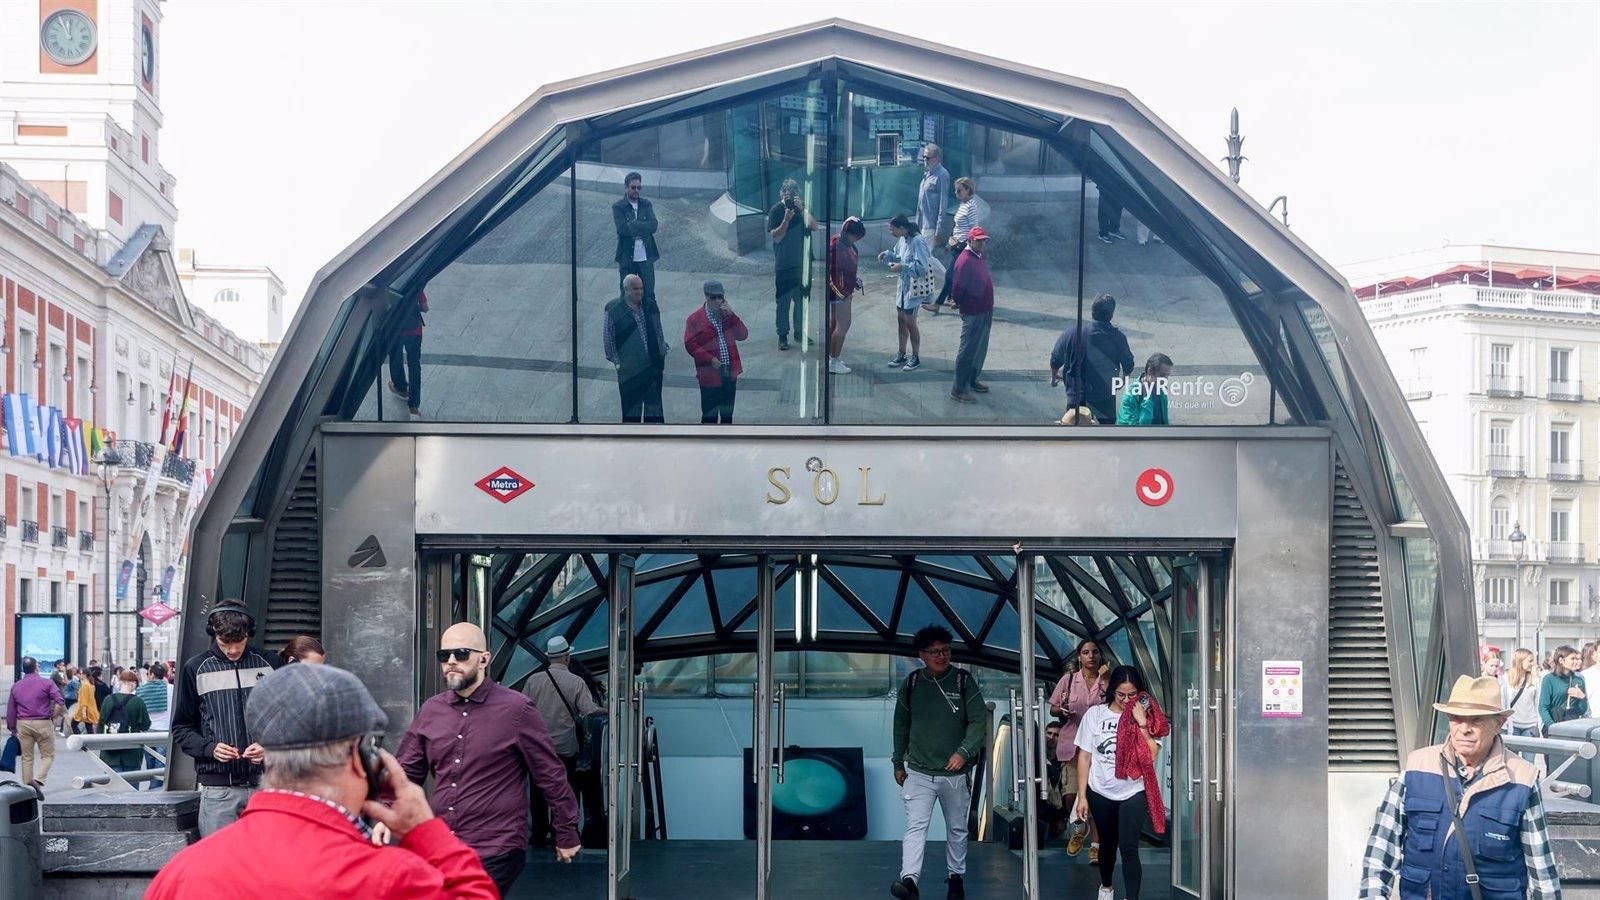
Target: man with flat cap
1465	820
482	742
711	339
301	835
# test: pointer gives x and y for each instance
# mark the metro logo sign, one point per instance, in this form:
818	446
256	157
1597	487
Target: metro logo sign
504	485
158	613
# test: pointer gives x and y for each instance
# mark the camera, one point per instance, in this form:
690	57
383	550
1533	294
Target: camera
788	203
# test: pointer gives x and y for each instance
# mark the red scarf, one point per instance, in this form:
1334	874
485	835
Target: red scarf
1134	759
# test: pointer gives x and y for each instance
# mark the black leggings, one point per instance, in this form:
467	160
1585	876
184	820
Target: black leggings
1120	823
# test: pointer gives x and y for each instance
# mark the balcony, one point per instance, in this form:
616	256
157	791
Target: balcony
1504	386
30	532
58	537
135	454
86	542
1500	548
1417	388
1565	552
1562	612
178	469
3	524
1568	391
1566	470
1500	612
1504	466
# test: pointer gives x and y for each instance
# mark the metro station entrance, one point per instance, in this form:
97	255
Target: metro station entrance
750	700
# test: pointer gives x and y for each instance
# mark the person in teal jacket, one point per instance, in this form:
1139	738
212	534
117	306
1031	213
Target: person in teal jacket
1145	401
1561	695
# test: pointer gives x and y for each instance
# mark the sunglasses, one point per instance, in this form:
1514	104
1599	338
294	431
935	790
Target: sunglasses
714	296
941	651
460	653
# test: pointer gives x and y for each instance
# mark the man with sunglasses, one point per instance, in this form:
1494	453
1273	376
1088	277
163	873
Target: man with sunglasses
482	741
939	723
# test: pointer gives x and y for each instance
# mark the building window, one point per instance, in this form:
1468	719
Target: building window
144	147
1561	592
81	380
1499	592
25	589
1560	364
1560	445
1560	523
227	295
1499	519
27	349
114	207
1499	360
55	376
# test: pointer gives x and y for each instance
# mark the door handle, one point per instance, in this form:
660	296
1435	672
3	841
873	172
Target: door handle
1044	758
638	730
1189	742
1216	709
1016	751
782	702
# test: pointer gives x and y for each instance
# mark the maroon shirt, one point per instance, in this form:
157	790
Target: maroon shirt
970	286
31	698
481	750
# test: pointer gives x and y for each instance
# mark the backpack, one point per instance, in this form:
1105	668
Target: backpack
115	715
911	683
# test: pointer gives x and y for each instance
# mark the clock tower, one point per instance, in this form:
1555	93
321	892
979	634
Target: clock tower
80	108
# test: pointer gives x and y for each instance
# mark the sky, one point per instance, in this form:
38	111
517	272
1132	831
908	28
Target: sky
293	126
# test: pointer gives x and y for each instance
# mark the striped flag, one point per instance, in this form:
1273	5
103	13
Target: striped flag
166	405
182	429
19	413
36	426
54	437
77	450
96	437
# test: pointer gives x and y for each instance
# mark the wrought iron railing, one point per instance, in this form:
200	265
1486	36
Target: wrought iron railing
3	524
1564	390
1566	470
58	536
30	532
135	454
1500	611
178	469
1505	466
86	541
1505	386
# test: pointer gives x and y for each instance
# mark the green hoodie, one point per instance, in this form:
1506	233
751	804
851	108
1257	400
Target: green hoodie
936	720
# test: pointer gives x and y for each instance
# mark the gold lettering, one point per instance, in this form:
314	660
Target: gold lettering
816	486
772	478
866	489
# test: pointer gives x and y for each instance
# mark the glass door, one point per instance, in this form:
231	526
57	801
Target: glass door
1028	706
1199	721
625	703
768	699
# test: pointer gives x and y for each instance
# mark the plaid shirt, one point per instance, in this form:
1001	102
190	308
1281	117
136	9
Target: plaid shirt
336	807
1381	862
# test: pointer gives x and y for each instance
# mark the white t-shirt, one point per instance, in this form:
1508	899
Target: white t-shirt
1097	734
639	254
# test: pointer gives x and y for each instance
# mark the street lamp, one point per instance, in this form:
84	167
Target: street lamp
108	461
1519	547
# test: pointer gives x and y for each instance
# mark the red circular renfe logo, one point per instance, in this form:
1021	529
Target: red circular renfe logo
1154	487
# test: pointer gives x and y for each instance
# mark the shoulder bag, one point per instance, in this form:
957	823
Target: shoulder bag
1451	798
586	728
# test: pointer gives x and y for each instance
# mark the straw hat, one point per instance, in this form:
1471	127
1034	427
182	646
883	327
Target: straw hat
1079	415
1473	697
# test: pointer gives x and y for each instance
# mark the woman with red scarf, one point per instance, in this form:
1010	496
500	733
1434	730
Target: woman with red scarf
1117	774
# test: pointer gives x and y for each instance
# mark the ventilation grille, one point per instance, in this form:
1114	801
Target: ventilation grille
1361	731
294	595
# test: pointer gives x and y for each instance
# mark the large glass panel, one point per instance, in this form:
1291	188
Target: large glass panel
1422	589
1023	192
489	337
724	199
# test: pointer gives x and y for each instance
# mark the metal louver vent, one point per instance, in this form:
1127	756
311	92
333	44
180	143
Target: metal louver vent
294	594
1361	718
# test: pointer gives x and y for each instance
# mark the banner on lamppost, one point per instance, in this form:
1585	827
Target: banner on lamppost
166	581
122	579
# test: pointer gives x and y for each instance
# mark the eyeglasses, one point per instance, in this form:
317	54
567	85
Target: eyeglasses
937	652
460	654
714	296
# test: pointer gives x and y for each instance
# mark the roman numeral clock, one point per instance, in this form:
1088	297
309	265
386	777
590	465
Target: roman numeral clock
68	37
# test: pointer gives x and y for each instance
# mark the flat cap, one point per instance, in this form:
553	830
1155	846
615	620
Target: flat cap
712	287
304	705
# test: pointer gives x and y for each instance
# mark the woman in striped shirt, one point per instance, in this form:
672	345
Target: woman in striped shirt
974	210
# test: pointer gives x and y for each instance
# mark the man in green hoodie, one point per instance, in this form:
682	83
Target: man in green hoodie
939	720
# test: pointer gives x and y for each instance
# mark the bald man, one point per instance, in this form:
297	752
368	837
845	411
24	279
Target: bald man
481	742
635	346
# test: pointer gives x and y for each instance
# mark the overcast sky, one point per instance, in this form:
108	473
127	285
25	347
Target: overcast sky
293	126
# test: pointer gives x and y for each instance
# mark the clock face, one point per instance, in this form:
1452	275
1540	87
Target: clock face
68	37
147	65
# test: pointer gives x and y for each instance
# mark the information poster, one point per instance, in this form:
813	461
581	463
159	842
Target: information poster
1282	689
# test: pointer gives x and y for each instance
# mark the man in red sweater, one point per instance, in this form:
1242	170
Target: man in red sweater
300	836
973	292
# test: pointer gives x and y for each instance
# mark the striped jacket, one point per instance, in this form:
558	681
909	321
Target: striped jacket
212	691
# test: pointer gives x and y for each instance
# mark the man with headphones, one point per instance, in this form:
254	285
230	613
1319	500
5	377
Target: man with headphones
209	722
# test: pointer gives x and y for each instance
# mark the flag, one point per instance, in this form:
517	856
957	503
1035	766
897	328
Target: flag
36	423
77	450
96	437
166	404
182	428
54	445
19	424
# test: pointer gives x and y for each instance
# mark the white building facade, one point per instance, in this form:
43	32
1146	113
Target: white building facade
247	300
1498	351
94	325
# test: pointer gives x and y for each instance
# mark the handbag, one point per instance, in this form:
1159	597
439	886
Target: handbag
8	756
584	727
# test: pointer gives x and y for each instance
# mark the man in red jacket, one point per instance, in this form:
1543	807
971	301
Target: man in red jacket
300	836
711	336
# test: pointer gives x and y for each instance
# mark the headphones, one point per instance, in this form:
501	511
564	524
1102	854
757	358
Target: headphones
231	606
372	763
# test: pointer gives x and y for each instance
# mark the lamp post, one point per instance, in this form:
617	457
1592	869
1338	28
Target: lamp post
109	459
1519	547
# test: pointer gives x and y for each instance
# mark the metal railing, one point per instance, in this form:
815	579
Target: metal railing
1565	552
1505	386
1500	612
1500	548
30	531
1417	388
58	536
1504	466
152	742
1480	295
86	541
135	454
1564	390
1571	749
1566	470
3	524
178	469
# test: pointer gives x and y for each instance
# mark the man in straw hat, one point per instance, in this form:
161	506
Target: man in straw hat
1470	785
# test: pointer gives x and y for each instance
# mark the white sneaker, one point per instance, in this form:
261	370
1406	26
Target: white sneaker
1106	894
837	366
